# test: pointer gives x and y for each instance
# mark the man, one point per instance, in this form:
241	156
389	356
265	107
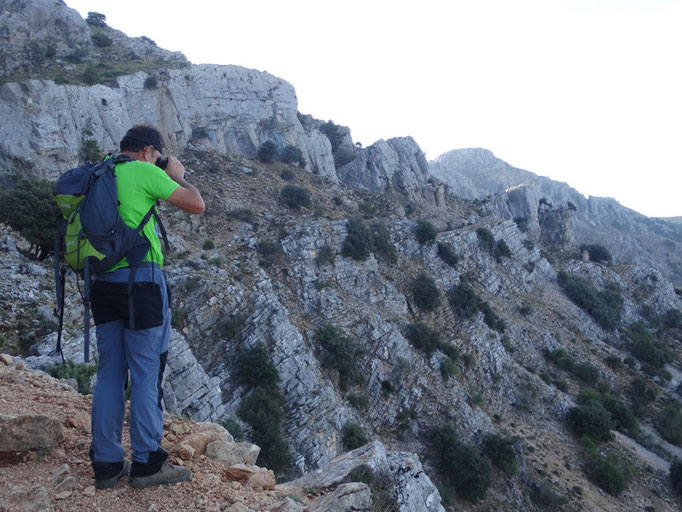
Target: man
133	323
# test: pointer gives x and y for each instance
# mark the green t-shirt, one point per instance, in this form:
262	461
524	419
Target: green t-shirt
139	185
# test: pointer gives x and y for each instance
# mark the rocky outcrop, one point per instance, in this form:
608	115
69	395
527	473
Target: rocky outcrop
29	432
414	489
396	165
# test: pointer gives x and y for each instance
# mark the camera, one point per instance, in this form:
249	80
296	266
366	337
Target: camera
161	162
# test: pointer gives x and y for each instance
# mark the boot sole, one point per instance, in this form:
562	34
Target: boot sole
148	483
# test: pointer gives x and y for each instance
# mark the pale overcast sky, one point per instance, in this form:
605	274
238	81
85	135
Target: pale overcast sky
588	92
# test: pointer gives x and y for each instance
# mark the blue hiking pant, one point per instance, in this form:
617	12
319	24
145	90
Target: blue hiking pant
134	340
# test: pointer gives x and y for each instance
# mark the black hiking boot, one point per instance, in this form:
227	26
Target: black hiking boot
108	483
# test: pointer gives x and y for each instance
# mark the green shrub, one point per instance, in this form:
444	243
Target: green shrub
243	214
231	328
353	436
384	250
446	254
286	175
676	476
101	40
491	319
96	19
598	253
267	152
292	155
486	240
254	368
672	319
607	474
464	300
448	368
425	232
340	353
358	243
590	419
460	464
613	361
91	75
81	372
500	451
208	245
562	359
586	372
545	497
90	151
325	255
521	223
423	337
178	318
528	244
31	210
646	347
295	196
151	83
670	424
623	418
368	210
234	428
502	250
262	410
604	306
341	155
271	253
425	293
641	395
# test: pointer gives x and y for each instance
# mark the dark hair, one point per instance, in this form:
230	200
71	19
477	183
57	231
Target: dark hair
141	136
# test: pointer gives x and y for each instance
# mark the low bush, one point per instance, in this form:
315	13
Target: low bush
598	253
254	368
101	40
641	395
676	476
604	306
340	353
208	245
446	254
353	436
425	232
267	152
592	420
425	293
234	428
231	328
461	465
608	474
96	19
672	319
263	410
271	253
486	240
292	155
384	250
500	451
81	372
179	318
358	243
423	337
646	347
670	424
296	197
31	210
448	368
586	372
325	255
464	300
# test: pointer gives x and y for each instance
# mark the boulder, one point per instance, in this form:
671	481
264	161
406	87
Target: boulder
233	453
29	432
204	434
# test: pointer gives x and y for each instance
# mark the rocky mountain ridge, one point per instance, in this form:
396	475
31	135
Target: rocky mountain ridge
631	237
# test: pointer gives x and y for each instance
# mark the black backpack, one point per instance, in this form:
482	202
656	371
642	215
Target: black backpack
91	236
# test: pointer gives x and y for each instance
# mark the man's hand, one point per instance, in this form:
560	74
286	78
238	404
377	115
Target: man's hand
175	169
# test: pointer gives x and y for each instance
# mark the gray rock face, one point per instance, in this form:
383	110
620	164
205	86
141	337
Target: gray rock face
395	165
352	496
630	237
415	491
227	108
